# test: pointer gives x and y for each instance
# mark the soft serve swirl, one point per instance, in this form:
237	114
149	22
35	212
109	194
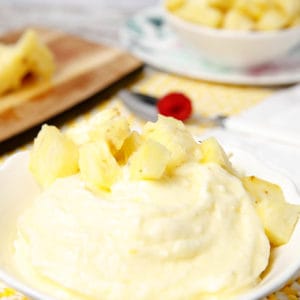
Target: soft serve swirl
193	234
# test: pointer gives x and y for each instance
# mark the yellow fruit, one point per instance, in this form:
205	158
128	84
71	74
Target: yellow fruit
272	19
200	14
53	155
149	161
173	5
130	145
278	217
295	22
212	152
236	20
173	135
291	8
221	4
29	55
98	168
112	128
254	9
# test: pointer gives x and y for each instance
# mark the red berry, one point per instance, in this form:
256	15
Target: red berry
175	105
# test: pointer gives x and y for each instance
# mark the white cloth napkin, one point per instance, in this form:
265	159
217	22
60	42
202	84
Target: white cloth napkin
277	118
277	156
270	131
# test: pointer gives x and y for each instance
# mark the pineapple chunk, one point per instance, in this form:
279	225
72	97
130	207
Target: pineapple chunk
111	127
295	22
173	5
278	217
236	20
53	155
273	19
130	145
29	55
254	9
172	134
98	168
200	14
221	4
212	152
149	161
291	8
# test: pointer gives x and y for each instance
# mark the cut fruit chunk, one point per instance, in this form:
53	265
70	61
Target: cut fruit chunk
236	20
173	135
53	155
173	5
272	19
98	168
149	161
111	127
130	145
28	56
201	14
212	152
254	9
278	217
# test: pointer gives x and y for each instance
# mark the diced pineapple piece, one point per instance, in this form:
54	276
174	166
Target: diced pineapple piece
295	22
278	217
98	168
273	19
291	8
172	134
200	14
53	155
236	20
221	4
254	9
111	127
28	55
212	152
149	161
130	145
173	5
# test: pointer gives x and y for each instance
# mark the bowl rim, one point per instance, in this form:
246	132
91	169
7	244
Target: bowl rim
227	33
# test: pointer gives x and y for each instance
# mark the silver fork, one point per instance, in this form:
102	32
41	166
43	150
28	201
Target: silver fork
145	107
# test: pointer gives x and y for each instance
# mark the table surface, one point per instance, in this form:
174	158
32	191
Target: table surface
100	21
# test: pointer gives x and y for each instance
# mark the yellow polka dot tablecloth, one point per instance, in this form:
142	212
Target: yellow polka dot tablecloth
207	99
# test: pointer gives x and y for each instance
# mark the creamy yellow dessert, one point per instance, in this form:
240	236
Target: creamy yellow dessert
238	14
28	56
143	216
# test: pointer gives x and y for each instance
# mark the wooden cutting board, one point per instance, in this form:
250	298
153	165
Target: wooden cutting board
83	68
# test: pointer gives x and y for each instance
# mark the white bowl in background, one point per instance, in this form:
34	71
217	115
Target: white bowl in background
235	48
18	190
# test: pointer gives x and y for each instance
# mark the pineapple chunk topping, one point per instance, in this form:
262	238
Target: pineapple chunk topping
112	152
278	217
111	127
53	155
109	147
141	167
172	134
98	167
213	152
130	145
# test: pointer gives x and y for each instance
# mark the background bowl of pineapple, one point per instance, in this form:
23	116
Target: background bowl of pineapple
236	33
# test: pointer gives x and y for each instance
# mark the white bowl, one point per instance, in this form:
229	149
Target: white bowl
18	189
233	48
